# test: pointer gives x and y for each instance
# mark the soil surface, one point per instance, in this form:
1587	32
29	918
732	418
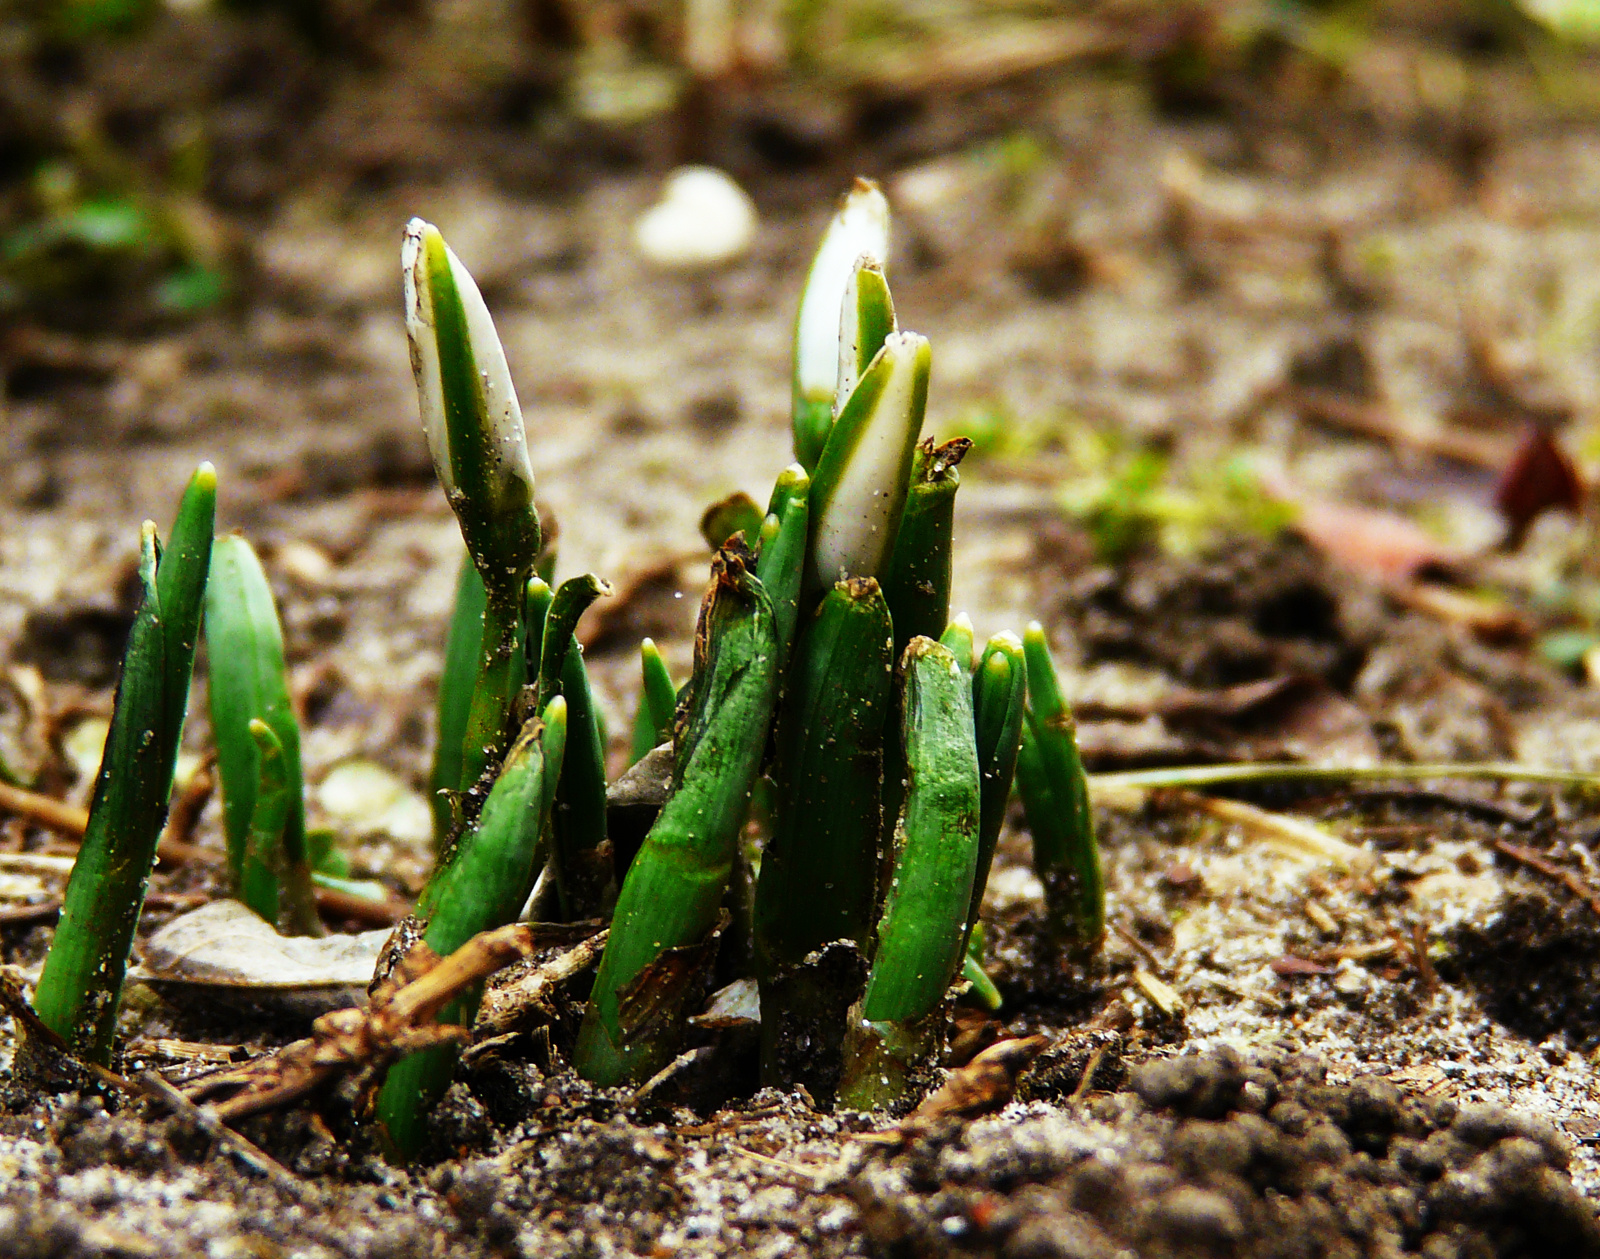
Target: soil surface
1354	294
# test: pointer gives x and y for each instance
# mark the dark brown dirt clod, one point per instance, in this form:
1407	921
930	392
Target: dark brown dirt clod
1535	965
1337	1169
1256	611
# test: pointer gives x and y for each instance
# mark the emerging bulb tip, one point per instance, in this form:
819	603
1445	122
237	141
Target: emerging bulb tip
411	243
906	345
206	475
860	227
418	230
866	203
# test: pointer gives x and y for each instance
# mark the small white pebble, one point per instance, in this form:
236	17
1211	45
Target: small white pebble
702	220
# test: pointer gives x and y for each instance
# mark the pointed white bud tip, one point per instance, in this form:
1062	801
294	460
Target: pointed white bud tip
859	228
424	258
868	463
702	220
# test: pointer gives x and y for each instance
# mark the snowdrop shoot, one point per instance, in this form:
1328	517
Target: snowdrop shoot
860	228
859	491
469	408
474	428
866	319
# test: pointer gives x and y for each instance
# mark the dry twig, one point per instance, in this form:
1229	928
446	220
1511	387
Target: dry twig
1419	953
376	913
397	1022
70	822
64	819
1288	835
187	808
1369	420
250	1153
1086	1080
529	995
30	913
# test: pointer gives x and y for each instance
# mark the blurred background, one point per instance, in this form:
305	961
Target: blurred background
146	145
1311	284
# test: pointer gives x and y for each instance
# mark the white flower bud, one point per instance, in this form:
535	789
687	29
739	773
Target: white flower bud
479	447
859	490
859	228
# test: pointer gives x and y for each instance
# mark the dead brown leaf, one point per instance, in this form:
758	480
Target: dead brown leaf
985	1084
398	1021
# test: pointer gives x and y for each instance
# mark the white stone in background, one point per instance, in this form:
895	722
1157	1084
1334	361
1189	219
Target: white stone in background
702	220
365	798
1012	885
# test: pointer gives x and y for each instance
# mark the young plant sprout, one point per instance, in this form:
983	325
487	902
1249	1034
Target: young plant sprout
999	701
860	229
917	584
825	834
922	937
462	647
783	540
866	321
263	806
658	703
858	492
672	897
736	514
958	639
482	888
863	830
585	884
80	987
882	758
1055	796
474	429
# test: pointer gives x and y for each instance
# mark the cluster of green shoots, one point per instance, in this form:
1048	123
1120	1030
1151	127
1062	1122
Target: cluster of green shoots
833	777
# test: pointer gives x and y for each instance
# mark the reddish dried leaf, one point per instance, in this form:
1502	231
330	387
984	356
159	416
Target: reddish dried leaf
1538	479
1379	543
